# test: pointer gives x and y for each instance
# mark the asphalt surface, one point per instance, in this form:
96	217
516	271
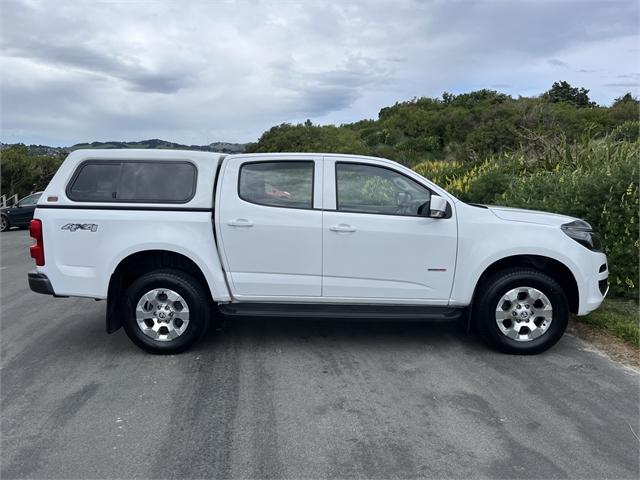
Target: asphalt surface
298	398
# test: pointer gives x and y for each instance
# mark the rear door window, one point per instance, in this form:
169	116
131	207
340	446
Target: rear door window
277	184
133	181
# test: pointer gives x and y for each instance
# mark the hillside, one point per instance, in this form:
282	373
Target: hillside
44	150
223	147
462	127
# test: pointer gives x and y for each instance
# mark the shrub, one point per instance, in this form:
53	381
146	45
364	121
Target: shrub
596	180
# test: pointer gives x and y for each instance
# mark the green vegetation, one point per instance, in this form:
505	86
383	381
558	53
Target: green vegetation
465	127
618	317
23	173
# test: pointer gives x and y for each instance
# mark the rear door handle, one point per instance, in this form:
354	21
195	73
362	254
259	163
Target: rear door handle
343	227
240	222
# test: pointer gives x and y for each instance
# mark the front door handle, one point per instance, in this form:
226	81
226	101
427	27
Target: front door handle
240	222
342	228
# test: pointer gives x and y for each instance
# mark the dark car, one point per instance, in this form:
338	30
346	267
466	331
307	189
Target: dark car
20	214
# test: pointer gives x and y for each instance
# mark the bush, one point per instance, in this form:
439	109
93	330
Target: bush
596	180
629	131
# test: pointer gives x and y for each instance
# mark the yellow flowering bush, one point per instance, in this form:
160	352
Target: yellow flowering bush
596	180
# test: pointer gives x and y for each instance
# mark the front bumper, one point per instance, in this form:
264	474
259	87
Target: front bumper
39	283
596	286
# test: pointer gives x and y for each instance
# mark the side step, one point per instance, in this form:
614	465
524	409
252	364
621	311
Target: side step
354	311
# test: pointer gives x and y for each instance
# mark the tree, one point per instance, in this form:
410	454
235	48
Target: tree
16	176
563	92
23	174
626	98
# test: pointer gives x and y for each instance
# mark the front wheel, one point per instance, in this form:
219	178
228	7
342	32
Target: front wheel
4	223
521	311
167	311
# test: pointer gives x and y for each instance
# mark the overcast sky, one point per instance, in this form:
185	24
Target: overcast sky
202	71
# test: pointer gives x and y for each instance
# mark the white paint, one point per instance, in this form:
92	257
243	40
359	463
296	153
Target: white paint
294	254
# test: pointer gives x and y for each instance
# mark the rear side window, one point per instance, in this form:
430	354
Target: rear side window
277	184
133	181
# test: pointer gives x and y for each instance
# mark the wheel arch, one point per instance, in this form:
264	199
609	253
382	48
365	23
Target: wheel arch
557	270
138	263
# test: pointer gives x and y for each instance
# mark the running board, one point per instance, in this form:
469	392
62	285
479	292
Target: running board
355	311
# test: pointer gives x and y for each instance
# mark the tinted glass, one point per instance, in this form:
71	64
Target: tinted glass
163	182
157	182
96	182
278	184
370	189
30	200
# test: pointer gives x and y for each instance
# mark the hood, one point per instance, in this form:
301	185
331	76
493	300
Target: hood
530	216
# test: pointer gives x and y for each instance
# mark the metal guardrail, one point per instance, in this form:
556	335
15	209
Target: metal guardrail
4	201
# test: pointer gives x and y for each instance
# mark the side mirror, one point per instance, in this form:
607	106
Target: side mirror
436	207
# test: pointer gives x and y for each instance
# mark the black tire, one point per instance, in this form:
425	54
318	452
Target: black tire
187	287
497	285
5	224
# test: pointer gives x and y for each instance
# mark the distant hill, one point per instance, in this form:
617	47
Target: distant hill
44	150
223	147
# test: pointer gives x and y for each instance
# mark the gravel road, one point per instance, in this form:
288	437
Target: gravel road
298	398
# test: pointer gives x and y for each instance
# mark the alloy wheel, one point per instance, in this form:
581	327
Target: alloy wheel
162	314
524	314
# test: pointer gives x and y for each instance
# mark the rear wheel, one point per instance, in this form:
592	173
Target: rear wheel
4	223
521	311
167	311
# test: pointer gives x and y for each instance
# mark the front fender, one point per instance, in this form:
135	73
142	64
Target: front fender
485	239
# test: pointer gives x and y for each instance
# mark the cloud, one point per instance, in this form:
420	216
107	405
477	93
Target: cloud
197	72
557	63
630	85
137	76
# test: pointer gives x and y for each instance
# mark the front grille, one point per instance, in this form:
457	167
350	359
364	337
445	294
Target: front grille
603	267
603	284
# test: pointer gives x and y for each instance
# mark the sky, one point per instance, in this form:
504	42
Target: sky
198	72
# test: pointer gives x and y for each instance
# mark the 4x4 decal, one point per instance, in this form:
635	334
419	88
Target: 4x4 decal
80	226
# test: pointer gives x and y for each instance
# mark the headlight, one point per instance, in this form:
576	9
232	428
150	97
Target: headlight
582	233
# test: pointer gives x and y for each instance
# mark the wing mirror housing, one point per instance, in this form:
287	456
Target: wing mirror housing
436	207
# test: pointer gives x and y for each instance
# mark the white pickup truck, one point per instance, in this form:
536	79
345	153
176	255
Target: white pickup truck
174	239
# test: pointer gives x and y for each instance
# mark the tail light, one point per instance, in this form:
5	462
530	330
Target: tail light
37	249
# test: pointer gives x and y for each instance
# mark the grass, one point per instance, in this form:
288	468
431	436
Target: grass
617	317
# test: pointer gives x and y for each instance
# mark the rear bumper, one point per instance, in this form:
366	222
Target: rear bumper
39	283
